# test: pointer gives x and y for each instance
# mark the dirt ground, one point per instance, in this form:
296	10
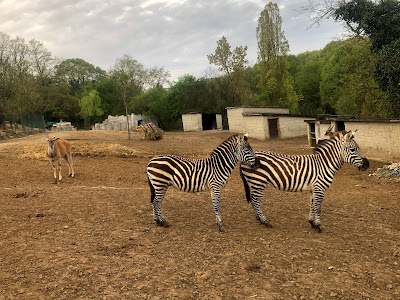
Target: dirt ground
93	236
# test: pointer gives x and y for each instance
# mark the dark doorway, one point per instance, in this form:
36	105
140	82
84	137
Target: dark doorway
312	134
209	121
340	126
273	129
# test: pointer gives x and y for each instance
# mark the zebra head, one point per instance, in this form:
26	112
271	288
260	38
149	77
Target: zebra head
245	153
352	153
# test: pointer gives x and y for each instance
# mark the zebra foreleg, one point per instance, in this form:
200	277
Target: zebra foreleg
315	209
216	196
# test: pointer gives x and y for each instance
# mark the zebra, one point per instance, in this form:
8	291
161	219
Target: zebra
294	173
194	175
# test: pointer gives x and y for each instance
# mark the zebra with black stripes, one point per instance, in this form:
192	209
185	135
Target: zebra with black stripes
194	175
294	173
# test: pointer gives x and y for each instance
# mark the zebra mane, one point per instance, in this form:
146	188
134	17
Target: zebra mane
325	143
224	144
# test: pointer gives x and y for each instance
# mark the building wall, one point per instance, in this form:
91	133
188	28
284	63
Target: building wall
192	122
235	119
256	127
266	110
219	121
235	115
290	127
377	139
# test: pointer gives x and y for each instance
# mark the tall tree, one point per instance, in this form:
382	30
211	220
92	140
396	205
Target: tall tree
232	65
275	82
130	76
77	72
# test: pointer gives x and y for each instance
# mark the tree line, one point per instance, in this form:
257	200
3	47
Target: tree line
358	76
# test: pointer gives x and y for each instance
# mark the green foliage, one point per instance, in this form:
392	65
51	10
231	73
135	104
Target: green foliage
275	81
305	70
231	64
76	72
347	77
380	21
90	106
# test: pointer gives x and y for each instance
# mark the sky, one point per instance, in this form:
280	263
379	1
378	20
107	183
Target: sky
174	34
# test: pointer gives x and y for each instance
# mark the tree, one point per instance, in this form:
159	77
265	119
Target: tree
347	81
379	21
76	72
232	65
305	70
130	78
275	82
90	107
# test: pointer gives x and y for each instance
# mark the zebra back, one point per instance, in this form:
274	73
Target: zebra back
192	175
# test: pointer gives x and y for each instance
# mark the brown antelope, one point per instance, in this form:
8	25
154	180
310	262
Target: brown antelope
58	149
335	133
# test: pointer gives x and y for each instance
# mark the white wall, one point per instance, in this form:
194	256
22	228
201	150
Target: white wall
219	121
235	115
377	139
290	127
256	127
192	122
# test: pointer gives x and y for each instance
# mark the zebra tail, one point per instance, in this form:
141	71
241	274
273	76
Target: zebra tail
246	186
153	193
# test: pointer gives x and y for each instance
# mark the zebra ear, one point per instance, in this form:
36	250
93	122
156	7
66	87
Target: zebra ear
246	135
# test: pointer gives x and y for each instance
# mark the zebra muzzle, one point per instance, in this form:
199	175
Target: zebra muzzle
365	164
257	164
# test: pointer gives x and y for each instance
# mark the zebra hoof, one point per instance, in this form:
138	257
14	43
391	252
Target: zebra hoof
264	221
317	227
163	223
221	226
267	224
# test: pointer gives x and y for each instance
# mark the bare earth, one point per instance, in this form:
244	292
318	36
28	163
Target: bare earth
93	236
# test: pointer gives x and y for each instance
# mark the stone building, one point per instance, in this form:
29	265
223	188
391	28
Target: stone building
266	122
201	121
377	138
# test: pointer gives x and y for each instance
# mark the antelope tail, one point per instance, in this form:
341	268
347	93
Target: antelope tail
246	186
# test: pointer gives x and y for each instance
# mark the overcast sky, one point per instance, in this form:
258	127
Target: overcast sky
174	34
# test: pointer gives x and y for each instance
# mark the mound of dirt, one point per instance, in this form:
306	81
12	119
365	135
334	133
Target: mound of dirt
84	149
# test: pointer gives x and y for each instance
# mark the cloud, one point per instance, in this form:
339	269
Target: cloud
174	34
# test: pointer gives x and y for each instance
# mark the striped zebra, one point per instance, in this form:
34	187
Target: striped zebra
194	175
294	173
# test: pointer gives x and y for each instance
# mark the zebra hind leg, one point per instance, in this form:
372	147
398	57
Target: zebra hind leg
256	203
157	210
